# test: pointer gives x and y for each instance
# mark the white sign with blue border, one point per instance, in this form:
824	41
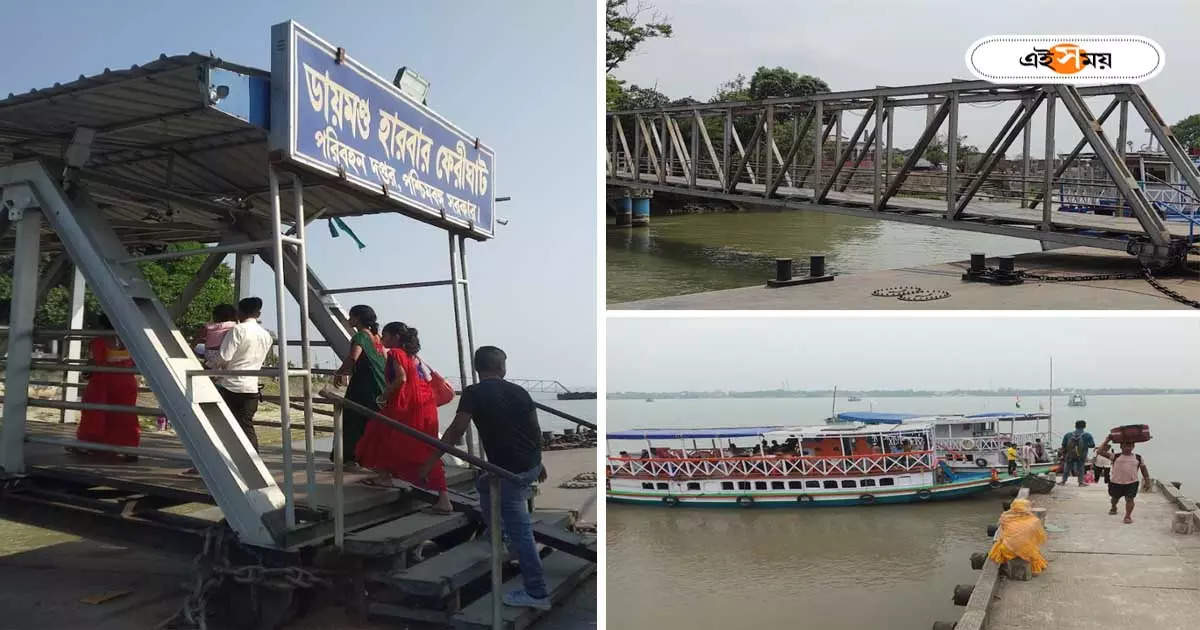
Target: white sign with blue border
331	114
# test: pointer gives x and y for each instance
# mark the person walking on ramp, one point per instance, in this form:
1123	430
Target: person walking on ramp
1123	478
1075	447
507	423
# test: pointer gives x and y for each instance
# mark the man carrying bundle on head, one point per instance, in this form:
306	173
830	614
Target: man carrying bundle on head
1123	476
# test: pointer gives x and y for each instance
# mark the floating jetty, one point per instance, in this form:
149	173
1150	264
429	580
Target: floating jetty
1101	573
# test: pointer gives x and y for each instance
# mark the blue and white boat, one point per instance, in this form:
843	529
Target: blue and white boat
832	465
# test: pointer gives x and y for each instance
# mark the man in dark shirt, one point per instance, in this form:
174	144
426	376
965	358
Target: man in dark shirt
507	423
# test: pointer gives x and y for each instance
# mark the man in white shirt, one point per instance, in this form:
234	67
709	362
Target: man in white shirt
244	347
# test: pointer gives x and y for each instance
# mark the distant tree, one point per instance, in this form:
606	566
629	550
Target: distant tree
625	33
1188	131
780	82
167	278
938	153
735	89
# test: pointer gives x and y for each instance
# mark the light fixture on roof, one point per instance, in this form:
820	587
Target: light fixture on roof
412	84
217	93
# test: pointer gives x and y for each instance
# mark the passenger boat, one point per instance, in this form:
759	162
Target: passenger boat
830	465
975	442
1077	400
854	398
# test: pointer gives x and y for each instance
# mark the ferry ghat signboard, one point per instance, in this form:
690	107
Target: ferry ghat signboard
331	114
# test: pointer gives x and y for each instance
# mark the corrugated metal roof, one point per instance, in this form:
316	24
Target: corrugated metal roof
156	131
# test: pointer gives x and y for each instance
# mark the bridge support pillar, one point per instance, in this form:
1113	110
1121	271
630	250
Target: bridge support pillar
641	211
624	211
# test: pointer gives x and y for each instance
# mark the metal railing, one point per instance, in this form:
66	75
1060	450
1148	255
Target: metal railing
769	466
497	473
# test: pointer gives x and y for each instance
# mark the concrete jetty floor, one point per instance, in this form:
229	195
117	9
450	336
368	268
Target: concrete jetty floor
1102	573
853	291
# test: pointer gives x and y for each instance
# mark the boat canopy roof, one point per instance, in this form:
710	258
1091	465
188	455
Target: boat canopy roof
877	417
845	430
679	434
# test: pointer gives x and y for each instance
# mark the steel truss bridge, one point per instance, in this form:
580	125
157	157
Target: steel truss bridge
697	151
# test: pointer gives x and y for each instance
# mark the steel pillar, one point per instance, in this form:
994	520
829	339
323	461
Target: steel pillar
236	477
241	275
463	360
20	333
74	345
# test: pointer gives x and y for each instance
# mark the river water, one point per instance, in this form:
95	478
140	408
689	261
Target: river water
683	254
848	568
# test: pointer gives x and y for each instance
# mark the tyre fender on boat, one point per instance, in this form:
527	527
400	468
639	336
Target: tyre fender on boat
867	498
981	462
804	498
995	483
670	501
924	495
968	444
745	501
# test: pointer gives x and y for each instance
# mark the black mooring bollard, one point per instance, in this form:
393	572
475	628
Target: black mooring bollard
945	625
962	594
991	530
783	269
1007	264
816	266
1006	505
978	263
978	559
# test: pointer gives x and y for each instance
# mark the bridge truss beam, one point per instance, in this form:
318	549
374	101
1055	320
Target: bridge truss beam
813	173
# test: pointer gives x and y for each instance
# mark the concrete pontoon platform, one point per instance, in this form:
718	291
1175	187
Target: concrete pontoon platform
1103	573
853	291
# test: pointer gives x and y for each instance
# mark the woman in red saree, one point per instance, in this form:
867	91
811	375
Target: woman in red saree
408	398
118	428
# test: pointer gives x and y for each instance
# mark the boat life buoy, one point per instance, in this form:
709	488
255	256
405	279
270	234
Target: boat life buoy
867	498
993	484
981	462
745	501
670	501
924	495
804	498
968	444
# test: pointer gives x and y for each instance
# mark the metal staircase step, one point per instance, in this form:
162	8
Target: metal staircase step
399	535
455	568
564	573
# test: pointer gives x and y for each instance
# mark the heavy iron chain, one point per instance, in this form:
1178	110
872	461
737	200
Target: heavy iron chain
1146	274
925	295
1174	295
211	567
895	291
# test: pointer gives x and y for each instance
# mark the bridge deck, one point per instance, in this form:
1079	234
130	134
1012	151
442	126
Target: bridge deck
979	215
1103	573
165	478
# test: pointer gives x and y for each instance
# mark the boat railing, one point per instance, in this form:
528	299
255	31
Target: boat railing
769	465
986	443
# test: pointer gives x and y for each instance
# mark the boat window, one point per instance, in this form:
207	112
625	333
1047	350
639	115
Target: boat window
849	483
812	484
831	484
760	485
887	481
777	485
743	485
795	485
662	486
727	485
692	485
867	482
646	485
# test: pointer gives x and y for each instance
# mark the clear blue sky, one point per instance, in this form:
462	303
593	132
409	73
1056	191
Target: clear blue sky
520	75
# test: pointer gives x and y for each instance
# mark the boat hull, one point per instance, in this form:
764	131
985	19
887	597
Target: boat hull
817	498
